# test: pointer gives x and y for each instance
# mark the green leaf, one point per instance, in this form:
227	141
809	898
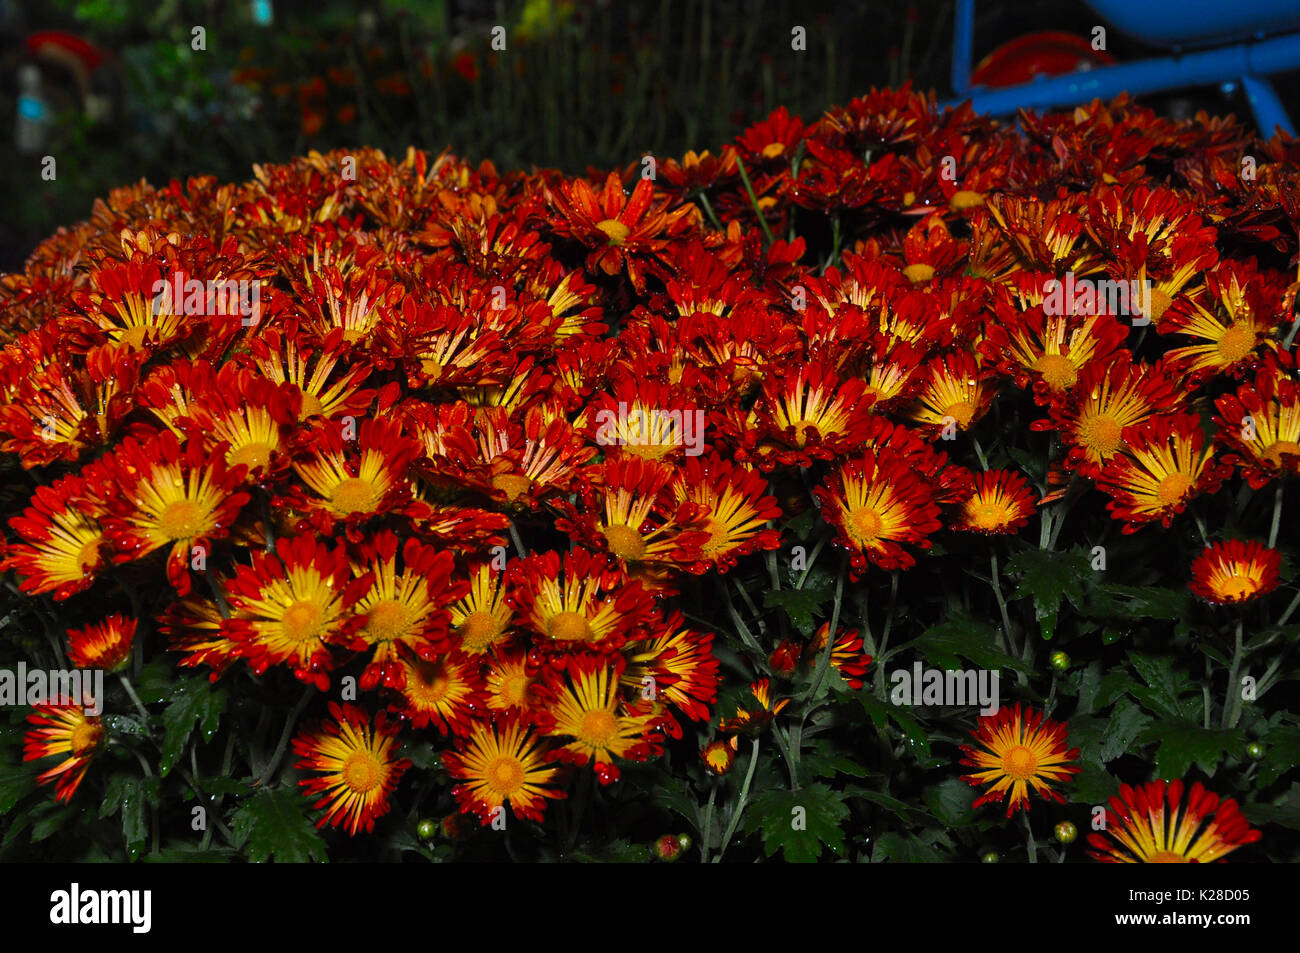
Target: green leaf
1047	578
882	712
951	802
132	796
194	700
798	823
1181	744
1164	686
823	761
902	849
53	822
272	824
907	813
1140	602
964	637
800	605
15	784
1093	784
1281	754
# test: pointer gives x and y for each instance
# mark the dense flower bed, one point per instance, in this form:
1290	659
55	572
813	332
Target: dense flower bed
579	508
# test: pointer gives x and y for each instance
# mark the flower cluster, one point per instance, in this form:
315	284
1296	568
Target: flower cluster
644	383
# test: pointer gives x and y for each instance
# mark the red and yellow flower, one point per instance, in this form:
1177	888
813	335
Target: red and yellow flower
1170	824
1016	751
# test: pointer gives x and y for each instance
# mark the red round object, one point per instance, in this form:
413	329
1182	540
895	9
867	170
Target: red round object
87	52
1045	53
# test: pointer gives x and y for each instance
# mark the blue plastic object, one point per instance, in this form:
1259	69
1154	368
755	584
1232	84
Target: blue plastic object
1171	25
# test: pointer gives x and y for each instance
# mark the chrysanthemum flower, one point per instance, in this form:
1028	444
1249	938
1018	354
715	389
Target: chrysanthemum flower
577	602
847	656
64	729
403	609
810	413
282	357
1167	462
1002	503
755	719
59	548
357	769
1018	751
1229	335
288	608
1235	571
513	683
194	626
1106	399
446	692
954	390
679	665
355	479
159	493
718	756
1047	351
622	231
730	503
877	503
1260	424
1157	824
499	765
587	707
482	618
105	644
122	304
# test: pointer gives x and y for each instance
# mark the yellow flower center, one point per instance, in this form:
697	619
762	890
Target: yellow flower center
302	621
133	337
388	620
625	542
867	524
89	553
355	495
181	520
962	412
1160	303
718	536
988	514
773	149
1058	371
362	772
569	627
255	455
504	775
432	369
512	485
1237	587
964	199
478	631
1101	433
615	230
1274	453
1019	763
1173	488
918	273
1167	857
1236	343
433	681
84	737
597	727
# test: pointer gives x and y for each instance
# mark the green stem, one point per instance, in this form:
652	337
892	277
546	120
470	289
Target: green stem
753	199
1277	515
740	803
283	744
708	209
1008	642
1029	839
1232	698
135	699
707	832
